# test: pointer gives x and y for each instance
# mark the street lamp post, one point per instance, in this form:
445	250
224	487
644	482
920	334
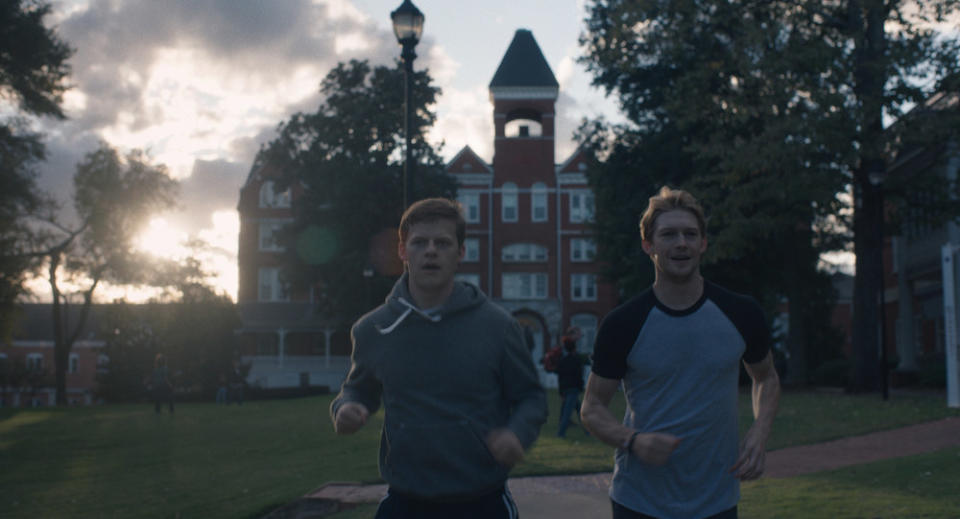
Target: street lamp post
876	180
407	26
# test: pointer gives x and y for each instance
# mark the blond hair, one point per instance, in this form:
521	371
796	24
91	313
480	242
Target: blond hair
668	200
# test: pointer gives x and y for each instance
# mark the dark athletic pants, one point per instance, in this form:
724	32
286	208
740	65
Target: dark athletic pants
495	505
622	512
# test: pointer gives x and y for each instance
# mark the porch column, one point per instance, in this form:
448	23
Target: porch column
906	346
281	334
327	333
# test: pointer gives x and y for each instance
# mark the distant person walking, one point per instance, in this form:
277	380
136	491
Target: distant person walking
237	381
161	387
676	349
569	379
462	400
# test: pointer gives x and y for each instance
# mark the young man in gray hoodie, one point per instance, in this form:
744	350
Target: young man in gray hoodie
462	401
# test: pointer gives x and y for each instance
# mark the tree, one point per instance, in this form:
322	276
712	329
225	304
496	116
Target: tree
194	333
346	157
33	72
113	197
768	108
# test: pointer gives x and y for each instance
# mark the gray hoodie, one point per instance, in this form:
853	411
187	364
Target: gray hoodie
446	379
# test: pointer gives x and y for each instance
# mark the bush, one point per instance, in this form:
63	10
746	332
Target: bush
833	373
933	372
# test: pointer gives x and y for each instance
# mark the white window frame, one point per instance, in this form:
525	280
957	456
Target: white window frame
538	203
270	287
470	200
269	199
73	364
581	206
266	235
468	277
509	210
471	250
524	253
34	362
524	285
583	250
583	287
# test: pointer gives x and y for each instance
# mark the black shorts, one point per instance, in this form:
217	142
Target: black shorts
495	505
622	512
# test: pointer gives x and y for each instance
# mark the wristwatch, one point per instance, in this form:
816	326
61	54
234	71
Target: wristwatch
628	444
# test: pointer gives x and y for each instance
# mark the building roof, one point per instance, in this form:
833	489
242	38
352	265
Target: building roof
524	65
467	161
33	321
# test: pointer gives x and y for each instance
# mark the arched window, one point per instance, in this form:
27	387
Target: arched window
269	198
523	128
538	202
523	253
508	210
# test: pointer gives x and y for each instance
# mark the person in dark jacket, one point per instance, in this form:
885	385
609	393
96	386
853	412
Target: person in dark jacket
461	397
161	386
569	379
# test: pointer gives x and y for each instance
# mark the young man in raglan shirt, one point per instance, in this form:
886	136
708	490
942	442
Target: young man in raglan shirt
462	400
676	348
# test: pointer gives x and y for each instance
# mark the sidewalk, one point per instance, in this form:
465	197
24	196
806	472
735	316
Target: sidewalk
579	496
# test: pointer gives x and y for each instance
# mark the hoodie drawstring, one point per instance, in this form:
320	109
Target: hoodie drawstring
410	308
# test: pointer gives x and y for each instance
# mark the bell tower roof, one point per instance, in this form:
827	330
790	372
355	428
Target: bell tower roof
523	68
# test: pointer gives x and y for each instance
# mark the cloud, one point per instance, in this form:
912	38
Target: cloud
212	186
199	85
190	79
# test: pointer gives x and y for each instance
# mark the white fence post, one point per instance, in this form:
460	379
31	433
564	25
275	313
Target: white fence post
948	270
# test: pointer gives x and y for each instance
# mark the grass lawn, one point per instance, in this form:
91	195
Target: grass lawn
923	486
208	461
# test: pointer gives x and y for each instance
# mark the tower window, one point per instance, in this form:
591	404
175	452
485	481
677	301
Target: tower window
523	128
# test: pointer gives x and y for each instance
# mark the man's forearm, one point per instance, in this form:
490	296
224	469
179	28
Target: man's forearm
765	395
601	423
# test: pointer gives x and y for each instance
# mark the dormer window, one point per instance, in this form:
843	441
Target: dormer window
269	198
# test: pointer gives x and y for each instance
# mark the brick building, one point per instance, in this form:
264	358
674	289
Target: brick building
528	244
27	362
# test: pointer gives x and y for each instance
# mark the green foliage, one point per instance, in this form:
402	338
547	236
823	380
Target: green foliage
767	112
33	72
347	158
195	335
834	373
113	197
33	60
19	197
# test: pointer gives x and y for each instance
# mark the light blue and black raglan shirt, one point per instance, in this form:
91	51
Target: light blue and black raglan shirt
679	370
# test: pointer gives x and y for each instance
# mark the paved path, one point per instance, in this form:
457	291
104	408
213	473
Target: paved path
579	496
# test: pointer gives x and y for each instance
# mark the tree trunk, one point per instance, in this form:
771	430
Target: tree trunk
870	76
797	336
61	351
866	292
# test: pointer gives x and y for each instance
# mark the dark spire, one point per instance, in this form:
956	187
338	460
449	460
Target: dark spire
524	65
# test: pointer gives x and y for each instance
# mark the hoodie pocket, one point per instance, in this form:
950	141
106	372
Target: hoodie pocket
440	459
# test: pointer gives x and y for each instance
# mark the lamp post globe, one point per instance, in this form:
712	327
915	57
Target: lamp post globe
407	26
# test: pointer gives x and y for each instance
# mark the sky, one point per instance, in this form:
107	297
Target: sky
201	85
